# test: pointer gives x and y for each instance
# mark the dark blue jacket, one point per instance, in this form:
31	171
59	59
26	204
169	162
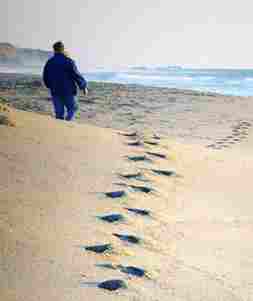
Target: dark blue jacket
61	76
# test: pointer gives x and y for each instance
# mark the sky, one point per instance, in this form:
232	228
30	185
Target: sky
118	33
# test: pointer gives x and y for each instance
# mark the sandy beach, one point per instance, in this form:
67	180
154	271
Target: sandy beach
187	116
189	166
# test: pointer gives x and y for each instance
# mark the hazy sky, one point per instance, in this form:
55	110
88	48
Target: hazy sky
214	33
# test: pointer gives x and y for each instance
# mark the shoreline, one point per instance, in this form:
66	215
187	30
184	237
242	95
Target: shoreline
186	116
30	76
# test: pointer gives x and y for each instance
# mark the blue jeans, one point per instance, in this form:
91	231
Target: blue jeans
65	102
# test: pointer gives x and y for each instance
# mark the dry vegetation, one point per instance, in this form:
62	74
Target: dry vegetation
5	114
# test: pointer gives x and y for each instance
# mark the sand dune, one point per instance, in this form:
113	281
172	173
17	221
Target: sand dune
195	245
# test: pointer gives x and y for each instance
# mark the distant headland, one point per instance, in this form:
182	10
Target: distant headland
15	57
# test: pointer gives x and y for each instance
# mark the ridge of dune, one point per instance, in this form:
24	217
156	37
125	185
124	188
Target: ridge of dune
52	180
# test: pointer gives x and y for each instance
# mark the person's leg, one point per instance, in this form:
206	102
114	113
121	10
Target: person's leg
58	107
71	105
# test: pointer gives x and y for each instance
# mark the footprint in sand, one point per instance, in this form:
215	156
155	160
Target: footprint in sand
136	176
237	133
113	285
130	270
243	136
245	123
105	248
135	143
151	142
156	137
112	218
138	188
144	189
133	271
128	238
167	173
244	133
137	211
215	146
242	126
116	194
139	158
159	155
132	134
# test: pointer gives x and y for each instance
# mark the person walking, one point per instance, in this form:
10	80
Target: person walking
62	78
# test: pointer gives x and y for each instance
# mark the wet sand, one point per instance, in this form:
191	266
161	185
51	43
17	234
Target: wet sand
187	116
193	245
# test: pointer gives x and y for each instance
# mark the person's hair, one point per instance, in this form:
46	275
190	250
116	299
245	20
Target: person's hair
58	46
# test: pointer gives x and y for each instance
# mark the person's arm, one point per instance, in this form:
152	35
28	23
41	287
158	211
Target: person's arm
46	76
78	78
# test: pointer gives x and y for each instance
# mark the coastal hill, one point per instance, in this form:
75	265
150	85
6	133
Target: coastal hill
11	56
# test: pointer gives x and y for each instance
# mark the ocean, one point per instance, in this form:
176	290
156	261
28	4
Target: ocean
234	82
